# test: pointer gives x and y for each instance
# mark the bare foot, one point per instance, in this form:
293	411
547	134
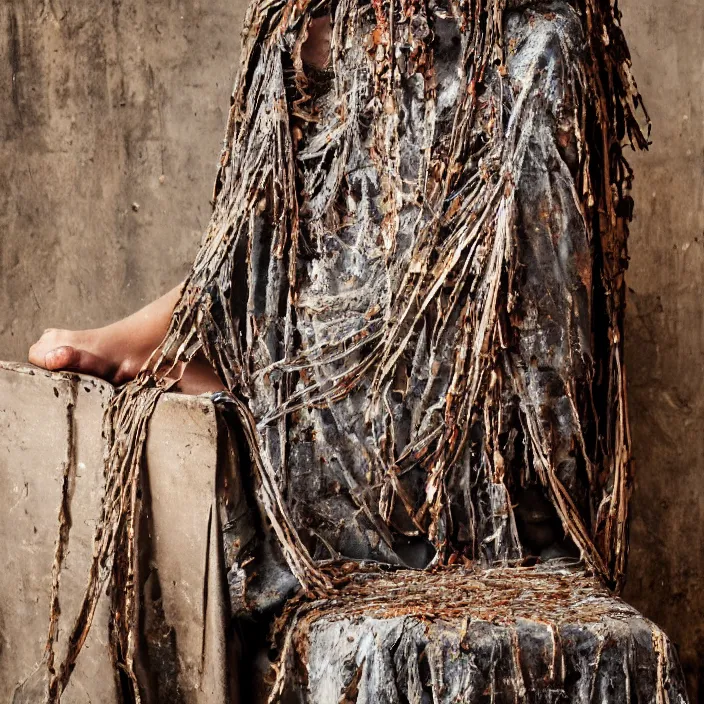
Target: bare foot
105	354
92	352
117	352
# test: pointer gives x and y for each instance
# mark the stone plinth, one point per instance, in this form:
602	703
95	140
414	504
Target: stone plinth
184	596
502	636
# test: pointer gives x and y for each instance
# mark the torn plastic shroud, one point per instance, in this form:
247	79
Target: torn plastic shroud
412	285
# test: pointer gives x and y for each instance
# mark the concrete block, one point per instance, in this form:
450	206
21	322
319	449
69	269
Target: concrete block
35	422
184	598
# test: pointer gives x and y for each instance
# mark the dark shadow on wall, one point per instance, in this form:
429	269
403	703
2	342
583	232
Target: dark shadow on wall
665	328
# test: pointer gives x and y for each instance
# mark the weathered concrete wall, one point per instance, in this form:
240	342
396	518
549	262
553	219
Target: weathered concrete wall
111	122
665	328
99	100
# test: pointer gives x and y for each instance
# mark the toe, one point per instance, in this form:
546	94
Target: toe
66	350
62	358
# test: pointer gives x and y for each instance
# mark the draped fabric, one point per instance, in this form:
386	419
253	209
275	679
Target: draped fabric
412	286
427	244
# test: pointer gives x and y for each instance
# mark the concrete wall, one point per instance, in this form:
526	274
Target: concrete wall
111	122
106	105
665	328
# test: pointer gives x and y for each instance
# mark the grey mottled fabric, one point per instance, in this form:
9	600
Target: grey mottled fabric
412	287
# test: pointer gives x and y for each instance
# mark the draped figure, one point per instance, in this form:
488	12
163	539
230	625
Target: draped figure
412	287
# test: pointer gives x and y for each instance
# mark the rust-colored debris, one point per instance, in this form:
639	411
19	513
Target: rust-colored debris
474	635
412	286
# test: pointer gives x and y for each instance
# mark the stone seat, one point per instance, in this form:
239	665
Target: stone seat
50	422
533	635
406	637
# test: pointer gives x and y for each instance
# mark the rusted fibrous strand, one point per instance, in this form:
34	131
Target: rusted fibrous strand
412	286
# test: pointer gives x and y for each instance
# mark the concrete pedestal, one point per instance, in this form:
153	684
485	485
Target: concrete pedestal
41	415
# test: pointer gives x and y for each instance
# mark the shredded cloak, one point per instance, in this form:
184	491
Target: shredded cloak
412	287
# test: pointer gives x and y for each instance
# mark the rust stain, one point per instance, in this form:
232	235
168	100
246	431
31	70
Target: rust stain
373	281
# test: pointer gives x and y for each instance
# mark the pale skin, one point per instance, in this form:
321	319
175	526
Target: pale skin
118	351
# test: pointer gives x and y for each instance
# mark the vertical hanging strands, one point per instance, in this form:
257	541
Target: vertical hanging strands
68	478
127	417
309	183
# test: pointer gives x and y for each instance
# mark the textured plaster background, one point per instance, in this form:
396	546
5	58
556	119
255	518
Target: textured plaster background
665	327
111	120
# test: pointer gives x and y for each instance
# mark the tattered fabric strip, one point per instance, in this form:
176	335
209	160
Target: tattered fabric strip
460	273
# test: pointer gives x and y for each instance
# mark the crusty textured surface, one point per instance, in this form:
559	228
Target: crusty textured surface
500	636
424	324
489	359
